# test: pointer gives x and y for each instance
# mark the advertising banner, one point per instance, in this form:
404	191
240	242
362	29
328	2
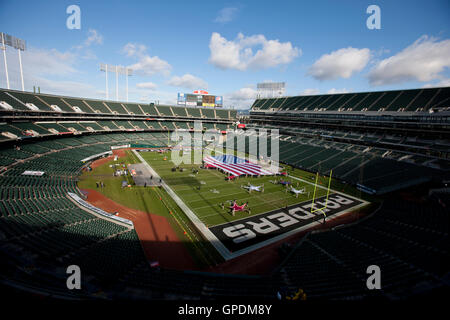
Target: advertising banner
219	101
181	98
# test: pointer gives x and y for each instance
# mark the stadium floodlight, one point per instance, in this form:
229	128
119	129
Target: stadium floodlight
117	69
16	43
127	72
104	67
271	89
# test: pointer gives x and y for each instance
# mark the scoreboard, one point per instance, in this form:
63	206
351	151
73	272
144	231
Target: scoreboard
199	100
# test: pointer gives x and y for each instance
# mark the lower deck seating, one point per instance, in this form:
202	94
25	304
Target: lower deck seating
409	247
351	163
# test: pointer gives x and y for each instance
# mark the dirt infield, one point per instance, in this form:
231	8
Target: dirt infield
120	152
102	161
158	239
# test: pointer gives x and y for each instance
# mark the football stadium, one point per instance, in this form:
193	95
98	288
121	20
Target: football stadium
293	195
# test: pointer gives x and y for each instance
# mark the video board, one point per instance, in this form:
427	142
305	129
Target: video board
199	100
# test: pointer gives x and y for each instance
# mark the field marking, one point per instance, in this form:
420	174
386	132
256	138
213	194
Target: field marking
297	230
328	192
272	201
173	212
228	195
185	193
248	196
335	191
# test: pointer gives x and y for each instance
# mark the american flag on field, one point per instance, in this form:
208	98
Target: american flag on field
235	166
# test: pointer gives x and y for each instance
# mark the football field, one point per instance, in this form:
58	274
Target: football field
205	192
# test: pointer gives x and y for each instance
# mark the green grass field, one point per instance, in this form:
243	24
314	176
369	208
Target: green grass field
206	202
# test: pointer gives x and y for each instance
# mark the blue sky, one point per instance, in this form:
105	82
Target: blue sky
227	47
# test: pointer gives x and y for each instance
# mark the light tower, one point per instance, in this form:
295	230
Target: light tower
18	44
128	73
117	69
104	67
270	89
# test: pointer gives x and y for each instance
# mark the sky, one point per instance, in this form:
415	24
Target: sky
226	47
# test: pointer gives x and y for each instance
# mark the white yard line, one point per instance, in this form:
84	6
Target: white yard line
226	254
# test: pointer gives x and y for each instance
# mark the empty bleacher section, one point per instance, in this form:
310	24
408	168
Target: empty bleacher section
208	113
193	112
133	108
222	114
415	100
149	110
11	102
379	170
97	106
52	127
78	105
116	108
373	139
55	115
25	101
56	101
405	240
165	111
42	231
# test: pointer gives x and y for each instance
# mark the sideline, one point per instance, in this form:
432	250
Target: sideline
191	215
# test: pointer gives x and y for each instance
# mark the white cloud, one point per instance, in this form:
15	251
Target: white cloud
89	54
156	96
238	54
188	81
241	99
68	88
443	83
53	71
134	49
423	60
310	91
315	91
342	63
93	37
243	94
48	62
147	85
334	91
144	98
146	65
226	15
